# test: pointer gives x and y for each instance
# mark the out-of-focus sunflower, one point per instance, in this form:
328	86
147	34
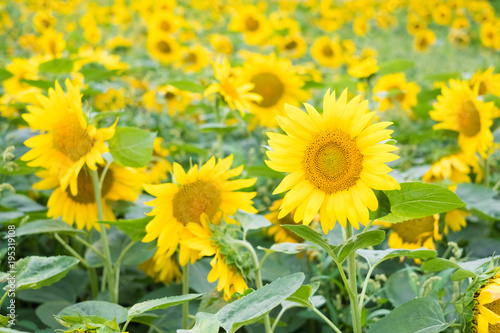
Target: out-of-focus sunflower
112	99
199	237
174	99
276	80
119	184
441	14
163	47
43	21
459	109
207	190
162	268
21	69
221	44
490	34
236	93
415	233
459	38
363	68
280	234
423	40
158	167
193	59
291	46
455	168
333	160
488	82
52	43
165	21
393	88
460	23
252	23
327	52
415	24
487	308
66	142
360	26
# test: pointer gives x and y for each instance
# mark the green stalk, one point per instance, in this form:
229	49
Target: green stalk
185	291
351	266
486	172
332	325
70	249
104	238
4	297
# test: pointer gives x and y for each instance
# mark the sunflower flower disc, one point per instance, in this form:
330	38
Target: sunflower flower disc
334	160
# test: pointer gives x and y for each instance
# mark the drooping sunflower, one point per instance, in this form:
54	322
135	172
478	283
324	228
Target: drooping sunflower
487	306
162	268
333	160
236	93
67	142
119	184
415	233
393	88
327	52
199	237
277	81
205	191
459	109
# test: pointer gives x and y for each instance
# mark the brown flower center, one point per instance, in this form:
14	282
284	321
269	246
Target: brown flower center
165	26
252	24
416	230
86	188
327	51
291	45
194	199
469	121
71	139
333	161
270	87
163	47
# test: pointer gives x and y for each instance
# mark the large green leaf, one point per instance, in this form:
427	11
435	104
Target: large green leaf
205	323
375	257
416	200
106	310
132	147
135	229
160	303
22	203
251	221
5	74
421	315
480	200
253	306
46	226
62	65
384	206
36	272
359	241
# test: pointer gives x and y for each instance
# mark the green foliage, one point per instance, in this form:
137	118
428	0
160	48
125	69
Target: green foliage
161	303
135	229
480	200
46	226
395	66
132	147
188	86
205	323
57	66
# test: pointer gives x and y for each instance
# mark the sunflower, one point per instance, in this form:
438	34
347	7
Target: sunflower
327	52
363	68
490	34
200	238
459	109
236	93
441	14
292	46
52	43
162	268
459	38
424	39
221	44
415	233
333	160
112	99
488	82
119	184
163	47
487	306
360	26
193	59
277	81
43	21
415	24
67	142
252	23
174	99
281	235
393	88
158	167
455	168
206	190
165	22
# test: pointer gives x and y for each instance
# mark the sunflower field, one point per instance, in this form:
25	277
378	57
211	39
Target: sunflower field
250	166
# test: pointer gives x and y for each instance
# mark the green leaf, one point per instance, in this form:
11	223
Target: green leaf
22	169
312	236
10	216
480	200
301	297
416	200
263	171
46	312
132	147
253	306
36	272
10	330
160	303
22	203
97	72
288	248
106	310
217	128
46	226
462	274
443	77
375	257
42	84
395	66
205	323
438	264
384	206
421	315
251	221
135	229
5	74
188	86
359	241
62	65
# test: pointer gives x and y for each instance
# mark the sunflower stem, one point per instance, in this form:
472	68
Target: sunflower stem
486	172
70	250
185	291
332	325
104	238
351	266
4	297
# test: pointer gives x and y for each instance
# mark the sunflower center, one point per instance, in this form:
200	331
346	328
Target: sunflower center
252	24
423	43
190	59
270	87
163	47
165	26
194	199
291	45
327	51
482	88
469	121
169	96
71	139
493	328
416	230
494	306
86	188
333	161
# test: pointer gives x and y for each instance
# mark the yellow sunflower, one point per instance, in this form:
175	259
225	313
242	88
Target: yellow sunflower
43	21
488	306
119	184
441	14
455	168
488	82
415	24
162	268
459	109
221	44
292	46
459	38
198	238
252	23
207	190
327	52
490	34
236	93
193	59
363	68
158	167
393	88
424	39
165	21
280	234
67	142
416	233
52	43
333	160
112	99
169	97
277	81
163	47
